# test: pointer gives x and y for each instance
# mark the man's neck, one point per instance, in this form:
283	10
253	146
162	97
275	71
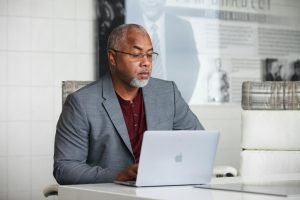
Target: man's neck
126	94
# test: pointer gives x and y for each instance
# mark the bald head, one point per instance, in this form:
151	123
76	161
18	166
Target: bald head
119	35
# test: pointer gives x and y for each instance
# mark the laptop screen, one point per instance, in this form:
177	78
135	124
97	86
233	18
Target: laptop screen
177	157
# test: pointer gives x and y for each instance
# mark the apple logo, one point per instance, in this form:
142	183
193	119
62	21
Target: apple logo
178	158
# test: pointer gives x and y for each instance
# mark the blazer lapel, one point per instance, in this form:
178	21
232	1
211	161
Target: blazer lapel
149	106
113	108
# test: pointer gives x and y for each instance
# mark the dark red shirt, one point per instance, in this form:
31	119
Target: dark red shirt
135	119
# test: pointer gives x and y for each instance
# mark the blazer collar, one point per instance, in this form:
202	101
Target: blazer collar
149	102
113	108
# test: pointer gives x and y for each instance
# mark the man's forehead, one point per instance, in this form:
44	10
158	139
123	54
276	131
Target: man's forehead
135	32
137	40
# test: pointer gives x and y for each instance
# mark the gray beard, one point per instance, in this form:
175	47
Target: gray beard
138	83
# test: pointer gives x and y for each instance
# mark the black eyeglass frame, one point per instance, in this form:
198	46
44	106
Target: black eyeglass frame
149	56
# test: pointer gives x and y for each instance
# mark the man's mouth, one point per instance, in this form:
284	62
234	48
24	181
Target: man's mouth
144	75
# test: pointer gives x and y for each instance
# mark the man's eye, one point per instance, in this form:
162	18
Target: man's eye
136	55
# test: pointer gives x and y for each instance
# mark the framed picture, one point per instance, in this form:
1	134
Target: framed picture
274	70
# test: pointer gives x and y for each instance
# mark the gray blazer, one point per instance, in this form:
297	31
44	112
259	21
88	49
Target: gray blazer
92	143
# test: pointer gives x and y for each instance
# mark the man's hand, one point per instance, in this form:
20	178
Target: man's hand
128	174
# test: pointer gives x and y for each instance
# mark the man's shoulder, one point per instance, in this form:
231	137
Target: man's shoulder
160	82
158	86
93	85
90	92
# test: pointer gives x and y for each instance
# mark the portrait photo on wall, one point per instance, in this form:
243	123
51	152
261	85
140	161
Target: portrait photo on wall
282	69
275	70
295	76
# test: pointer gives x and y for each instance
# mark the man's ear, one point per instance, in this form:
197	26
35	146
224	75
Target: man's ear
111	58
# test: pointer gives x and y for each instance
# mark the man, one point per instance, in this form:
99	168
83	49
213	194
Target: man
100	130
273	70
296	75
178	60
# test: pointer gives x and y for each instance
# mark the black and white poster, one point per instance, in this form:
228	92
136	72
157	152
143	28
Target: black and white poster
209	47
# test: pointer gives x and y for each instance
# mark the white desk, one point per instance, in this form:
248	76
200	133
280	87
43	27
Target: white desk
112	191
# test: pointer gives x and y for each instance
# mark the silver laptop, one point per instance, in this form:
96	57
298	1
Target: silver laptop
176	158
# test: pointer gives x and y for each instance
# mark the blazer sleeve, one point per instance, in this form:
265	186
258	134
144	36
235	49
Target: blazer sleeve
184	118
71	148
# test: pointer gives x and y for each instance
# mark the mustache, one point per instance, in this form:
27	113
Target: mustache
145	71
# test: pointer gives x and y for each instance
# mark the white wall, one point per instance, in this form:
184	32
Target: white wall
42	42
227	119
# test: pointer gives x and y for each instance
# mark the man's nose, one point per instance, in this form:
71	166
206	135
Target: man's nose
146	61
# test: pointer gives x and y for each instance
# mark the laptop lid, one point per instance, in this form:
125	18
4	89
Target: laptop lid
177	157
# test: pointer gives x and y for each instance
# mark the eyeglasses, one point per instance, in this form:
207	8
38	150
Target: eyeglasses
150	56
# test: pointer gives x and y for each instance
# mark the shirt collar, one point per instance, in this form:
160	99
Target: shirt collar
135	99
